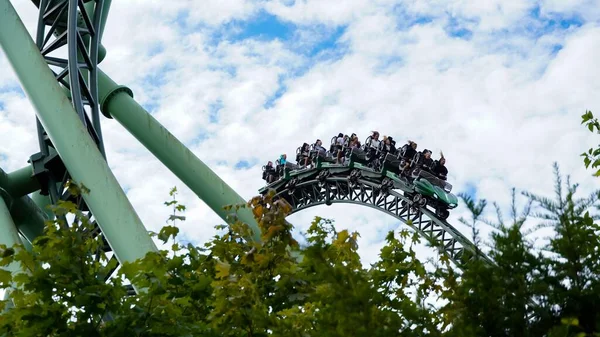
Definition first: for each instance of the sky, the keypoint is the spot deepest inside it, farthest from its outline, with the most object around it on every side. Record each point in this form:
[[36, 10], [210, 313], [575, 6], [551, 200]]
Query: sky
[[498, 86]]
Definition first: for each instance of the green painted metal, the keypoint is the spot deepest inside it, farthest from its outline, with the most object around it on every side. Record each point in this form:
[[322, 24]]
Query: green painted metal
[[28, 217], [117, 102], [105, 10], [89, 6], [114, 213], [9, 235], [20, 182], [426, 188], [43, 202]]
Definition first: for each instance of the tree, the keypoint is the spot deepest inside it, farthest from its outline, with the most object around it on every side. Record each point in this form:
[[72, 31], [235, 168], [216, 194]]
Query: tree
[[228, 287], [493, 299], [527, 291], [592, 156]]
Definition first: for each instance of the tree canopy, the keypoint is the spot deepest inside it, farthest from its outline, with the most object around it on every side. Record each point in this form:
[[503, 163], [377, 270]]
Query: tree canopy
[[230, 286]]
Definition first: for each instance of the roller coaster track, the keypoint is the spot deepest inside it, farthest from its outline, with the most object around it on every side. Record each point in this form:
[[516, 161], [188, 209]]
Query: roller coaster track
[[310, 187]]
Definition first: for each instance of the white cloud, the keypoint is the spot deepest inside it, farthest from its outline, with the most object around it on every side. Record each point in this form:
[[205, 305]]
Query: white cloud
[[502, 107]]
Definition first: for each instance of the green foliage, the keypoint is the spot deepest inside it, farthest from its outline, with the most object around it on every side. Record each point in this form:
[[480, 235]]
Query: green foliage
[[592, 156], [528, 291], [65, 285], [228, 287]]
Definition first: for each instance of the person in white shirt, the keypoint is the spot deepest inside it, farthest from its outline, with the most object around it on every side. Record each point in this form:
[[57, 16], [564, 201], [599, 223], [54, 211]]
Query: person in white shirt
[[375, 140], [339, 146]]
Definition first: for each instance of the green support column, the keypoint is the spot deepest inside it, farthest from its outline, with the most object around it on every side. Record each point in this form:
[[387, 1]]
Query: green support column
[[20, 182], [9, 236], [28, 217], [117, 102], [43, 202], [116, 217], [105, 10]]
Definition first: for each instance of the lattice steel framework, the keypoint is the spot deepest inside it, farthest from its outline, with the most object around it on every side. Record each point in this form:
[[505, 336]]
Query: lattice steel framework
[[350, 188], [59, 74], [68, 39]]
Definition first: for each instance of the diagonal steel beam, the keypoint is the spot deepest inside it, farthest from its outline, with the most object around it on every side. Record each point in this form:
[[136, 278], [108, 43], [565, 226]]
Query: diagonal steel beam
[[115, 215]]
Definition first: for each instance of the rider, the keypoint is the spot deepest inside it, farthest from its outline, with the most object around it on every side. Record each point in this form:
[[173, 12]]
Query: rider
[[389, 145], [439, 167], [304, 157], [354, 142], [281, 164], [375, 140], [269, 173], [409, 150], [426, 162], [319, 147], [339, 146]]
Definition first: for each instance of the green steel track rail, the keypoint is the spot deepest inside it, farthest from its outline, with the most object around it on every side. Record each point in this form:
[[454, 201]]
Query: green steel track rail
[[357, 185]]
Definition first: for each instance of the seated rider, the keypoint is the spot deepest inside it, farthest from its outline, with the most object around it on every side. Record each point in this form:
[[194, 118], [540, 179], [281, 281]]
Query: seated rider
[[439, 168], [388, 145], [427, 162], [319, 147], [375, 142], [339, 145], [408, 152], [304, 155], [269, 173], [354, 142], [281, 164], [372, 145], [423, 161]]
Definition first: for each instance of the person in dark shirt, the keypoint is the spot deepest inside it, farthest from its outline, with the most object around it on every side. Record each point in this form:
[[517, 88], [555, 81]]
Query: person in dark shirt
[[269, 173], [388, 145], [439, 167], [426, 163]]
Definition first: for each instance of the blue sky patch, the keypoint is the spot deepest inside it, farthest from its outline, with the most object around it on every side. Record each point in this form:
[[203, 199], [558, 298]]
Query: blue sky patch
[[158, 79], [281, 89], [471, 190], [264, 26], [213, 111], [245, 164], [545, 23], [150, 106], [457, 27], [14, 89], [156, 49], [328, 42]]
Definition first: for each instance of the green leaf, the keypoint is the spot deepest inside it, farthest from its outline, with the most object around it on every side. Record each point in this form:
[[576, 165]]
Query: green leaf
[[586, 117], [167, 232], [573, 321], [222, 269]]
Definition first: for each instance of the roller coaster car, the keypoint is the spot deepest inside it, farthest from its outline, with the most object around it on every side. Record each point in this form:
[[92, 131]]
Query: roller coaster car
[[319, 157], [433, 191], [284, 170], [392, 163], [359, 156]]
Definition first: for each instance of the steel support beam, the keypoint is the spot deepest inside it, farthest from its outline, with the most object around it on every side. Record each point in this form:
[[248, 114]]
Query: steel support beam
[[105, 10], [20, 182], [43, 202], [115, 215], [9, 236], [28, 217], [117, 102]]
